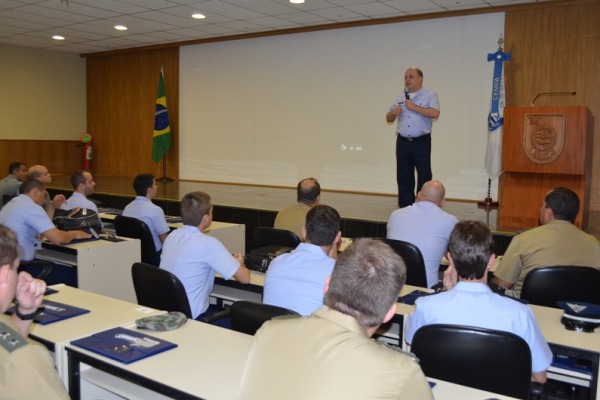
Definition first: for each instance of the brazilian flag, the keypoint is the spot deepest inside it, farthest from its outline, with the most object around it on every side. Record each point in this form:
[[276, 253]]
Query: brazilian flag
[[162, 129]]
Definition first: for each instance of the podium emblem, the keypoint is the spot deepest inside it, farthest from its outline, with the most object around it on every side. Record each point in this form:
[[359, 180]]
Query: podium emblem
[[544, 137]]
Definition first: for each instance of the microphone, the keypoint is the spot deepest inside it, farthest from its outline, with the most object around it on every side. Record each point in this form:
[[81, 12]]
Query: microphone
[[406, 91], [551, 94]]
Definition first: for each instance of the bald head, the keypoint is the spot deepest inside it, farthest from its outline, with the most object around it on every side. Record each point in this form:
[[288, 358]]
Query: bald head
[[432, 191], [40, 173], [308, 191]]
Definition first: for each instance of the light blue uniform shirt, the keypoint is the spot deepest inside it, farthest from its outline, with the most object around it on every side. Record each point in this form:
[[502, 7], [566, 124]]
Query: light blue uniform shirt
[[143, 209], [474, 304], [426, 226], [78, 200], [296, 280], [27, 219], [413, 124], [195, 258]]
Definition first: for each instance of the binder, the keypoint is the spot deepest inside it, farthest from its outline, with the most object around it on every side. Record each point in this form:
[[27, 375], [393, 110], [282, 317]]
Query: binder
[[124, 345], [53, 311]]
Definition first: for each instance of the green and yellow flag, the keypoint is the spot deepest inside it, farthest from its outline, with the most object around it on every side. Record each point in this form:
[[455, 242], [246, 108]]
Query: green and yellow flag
[[162, 128]]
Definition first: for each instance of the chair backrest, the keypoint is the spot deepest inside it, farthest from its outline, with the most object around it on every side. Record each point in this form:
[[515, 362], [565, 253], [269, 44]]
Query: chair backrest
[[547, 285], [273, 238], [160, 289], [485, 359], [6, 198], [137, 229], [247, 316], [415, 265]]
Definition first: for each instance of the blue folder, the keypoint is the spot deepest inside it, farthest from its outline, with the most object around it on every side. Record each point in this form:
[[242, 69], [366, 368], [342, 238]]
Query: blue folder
[[53, 311], [124, 345]]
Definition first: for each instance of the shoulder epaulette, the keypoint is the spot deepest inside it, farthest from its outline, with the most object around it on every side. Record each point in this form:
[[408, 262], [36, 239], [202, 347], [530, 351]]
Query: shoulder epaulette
[[10, 339]]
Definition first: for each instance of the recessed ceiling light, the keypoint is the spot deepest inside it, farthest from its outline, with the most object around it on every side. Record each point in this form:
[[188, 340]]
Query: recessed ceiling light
[[297, 1], [58, 37], [198, 16], [120, 27]]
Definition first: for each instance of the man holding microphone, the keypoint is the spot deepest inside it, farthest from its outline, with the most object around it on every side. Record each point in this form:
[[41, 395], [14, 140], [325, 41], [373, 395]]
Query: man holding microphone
[[414, 111]]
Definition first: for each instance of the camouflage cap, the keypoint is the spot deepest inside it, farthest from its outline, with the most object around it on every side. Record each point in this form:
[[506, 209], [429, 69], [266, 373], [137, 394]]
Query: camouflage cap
[[162, 322]]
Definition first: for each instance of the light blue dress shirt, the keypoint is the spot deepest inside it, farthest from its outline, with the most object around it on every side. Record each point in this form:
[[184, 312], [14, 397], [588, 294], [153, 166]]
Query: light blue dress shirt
[[426, 226], [413, 124], [296, 280], [195, 258], [474, 304], [27, 219], [143, 209]]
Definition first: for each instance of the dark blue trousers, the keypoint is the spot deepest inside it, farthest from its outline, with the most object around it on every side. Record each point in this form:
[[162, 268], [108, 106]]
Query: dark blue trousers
[[412, 156]]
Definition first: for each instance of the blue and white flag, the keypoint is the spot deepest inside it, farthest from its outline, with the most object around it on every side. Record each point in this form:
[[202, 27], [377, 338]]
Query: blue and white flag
[[493, 153]]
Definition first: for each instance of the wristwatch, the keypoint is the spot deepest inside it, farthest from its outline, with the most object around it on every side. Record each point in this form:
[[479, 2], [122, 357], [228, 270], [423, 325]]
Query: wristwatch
[[26, 317]]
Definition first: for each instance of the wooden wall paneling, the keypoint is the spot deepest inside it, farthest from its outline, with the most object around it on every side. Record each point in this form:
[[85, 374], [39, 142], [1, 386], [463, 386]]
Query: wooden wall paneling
[[121, 98], [556, 48], [61, 157]]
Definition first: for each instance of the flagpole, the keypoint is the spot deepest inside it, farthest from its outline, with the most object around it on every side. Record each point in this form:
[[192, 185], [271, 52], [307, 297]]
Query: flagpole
[[495, 122], [164, 178]]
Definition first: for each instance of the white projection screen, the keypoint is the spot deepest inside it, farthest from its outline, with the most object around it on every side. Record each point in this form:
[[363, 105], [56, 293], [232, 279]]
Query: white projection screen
[[273, 110]]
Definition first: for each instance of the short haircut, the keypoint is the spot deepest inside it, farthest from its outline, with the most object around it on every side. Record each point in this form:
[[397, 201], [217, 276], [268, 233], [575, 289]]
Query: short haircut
[[30, 184], [308, 190], [471, 244], [366, 281], [9, 246], [564, 203], [14, 166], [142, 183], [194, 206], [78, 178], [322, 225]]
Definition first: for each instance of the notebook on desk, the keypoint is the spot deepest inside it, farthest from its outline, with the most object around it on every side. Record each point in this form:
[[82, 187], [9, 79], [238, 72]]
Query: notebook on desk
[[124, 345]]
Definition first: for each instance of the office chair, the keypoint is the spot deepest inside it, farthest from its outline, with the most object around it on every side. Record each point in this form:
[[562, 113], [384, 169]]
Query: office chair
[[6, 198], [485, 359], [160, 289], [271, 242], [415, 265], [266, 236], [137, 229], [547, 285], [39, 269], [247, 316]]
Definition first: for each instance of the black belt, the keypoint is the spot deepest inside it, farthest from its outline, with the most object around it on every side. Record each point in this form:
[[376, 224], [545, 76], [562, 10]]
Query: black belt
[[414, 139]]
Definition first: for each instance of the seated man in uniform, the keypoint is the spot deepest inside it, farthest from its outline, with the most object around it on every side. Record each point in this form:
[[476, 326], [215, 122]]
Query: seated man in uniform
[[469, 300], [195, 257], [330, 354], [425, 225], [41, 173], [27, 369], [83, 186], [17, 174], [556, 242], [295, 280], [25, 215], [143, 209], [308, 194]]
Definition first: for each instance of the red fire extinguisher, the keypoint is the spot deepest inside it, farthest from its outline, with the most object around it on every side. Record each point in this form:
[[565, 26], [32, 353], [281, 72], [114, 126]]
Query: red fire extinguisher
[[86, 141]]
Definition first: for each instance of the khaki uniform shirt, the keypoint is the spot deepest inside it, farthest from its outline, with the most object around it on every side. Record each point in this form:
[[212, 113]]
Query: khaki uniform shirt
[[292, 218], [326, 356], [553, 244], [26, 369]]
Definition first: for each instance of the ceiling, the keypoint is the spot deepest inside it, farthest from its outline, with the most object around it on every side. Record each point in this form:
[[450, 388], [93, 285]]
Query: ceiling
[[88, 25]]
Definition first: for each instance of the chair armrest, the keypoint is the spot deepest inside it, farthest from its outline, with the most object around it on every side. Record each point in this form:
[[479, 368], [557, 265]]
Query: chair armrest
[[209, 319]]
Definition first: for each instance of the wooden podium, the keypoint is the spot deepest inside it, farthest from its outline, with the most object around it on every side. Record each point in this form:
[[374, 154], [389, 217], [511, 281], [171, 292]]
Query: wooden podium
[[542, 148]]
